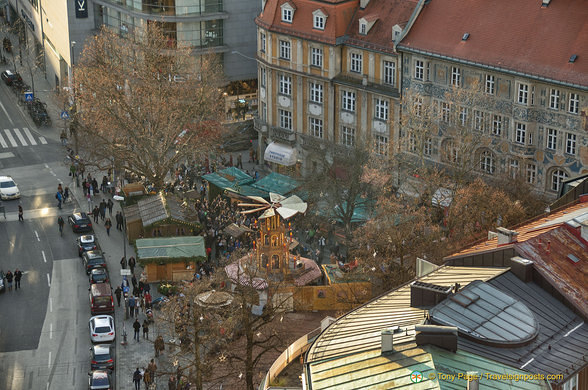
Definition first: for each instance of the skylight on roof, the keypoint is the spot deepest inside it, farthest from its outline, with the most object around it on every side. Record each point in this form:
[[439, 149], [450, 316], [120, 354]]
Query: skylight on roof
[[573, 58], [465, 37]]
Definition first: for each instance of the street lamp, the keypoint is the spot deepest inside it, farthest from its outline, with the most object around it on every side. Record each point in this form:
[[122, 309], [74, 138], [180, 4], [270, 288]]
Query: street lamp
[[121, 199]]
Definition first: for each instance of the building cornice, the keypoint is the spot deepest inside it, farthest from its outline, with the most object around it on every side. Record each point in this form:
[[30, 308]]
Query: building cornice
[[160, 17]]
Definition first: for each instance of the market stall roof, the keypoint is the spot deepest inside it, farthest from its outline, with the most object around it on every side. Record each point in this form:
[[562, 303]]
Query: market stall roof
[[157, 208], [247, 190], [170, 247], [229, 179], [236, 231], [132, 213], [278, 183]]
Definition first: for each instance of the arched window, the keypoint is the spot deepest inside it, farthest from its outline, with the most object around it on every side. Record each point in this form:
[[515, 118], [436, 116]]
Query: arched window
[[487, 162], [275, 262], [557, 177], [274, 241]]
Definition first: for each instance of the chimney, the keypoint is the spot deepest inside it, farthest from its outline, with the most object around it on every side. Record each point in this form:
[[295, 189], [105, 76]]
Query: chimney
[[506, 236], [522, 268], [426, 294], [363, 3], [441, 336], [388, 339]]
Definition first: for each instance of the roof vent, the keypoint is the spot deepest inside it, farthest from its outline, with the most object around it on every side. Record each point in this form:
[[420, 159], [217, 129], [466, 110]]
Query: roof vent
[[388, 339], [473, 380], [573, 58], [440, 336], [465, 37], [573, 259], [522, 268], [426, 294], [363, 3], [545, 3], [506, 236]]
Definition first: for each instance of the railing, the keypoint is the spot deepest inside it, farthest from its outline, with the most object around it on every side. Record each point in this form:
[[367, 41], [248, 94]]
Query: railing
[[260, 125], [279, 134]]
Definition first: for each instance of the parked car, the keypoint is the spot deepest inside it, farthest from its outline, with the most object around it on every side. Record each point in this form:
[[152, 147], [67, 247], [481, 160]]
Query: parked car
[[101, 301], [86, 243], [100, 380], [102, 357], [99, 275], [80, 222], [2, 281], [8, 188], [102, 329], [9, 77], [93, 259]]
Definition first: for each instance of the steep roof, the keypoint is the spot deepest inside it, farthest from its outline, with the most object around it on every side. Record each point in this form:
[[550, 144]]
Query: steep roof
[[519, 36], [170, 247]]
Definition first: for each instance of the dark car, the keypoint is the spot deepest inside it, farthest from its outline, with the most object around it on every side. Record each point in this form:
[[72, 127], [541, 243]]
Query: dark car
[[102, 357], [80, 222], [9, 77], [93, 259], [2, 281], [86, 243], [99, 275], [100, 380]]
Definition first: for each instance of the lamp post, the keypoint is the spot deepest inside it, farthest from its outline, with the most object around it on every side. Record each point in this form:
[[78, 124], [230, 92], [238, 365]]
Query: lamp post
[[121, 199]]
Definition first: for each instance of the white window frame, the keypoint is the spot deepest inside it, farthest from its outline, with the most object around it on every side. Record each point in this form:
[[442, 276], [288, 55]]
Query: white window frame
[[362, 28], [571, 143], [263, 77], [318, 22], [315, 127], [490, 84], [412, 144], [381, 144], [348, 101], [285, 117], [445, 112], [356, 62], [523, 94], [520, 133], [574, 103], [554, 95], [455, 76], [285, 50], [487, 162], [497, 124], [513, 168], [347, 136], [285, 85], [316, 57], [557, 177], [463, 116], [479, 120], [551, 139], [381, 106], [264, 111], [418, 106], [316, 92], [287, 15], [419, 69], [262, 42], [389, 70], [531, 173], [428, 146]]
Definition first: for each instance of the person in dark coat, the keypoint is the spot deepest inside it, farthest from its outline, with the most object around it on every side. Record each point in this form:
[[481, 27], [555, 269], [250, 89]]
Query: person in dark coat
[[145, 329], [137, 376], [96, 213], [17, 277], [119, 220], [137, 327], [132, 263], [102, 210], [110, 204]]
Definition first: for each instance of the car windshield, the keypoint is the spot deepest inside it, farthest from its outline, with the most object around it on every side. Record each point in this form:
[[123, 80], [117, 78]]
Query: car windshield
[[103, 356], [96, 260], [7, 184], [102, 301], [102, 329], [101, 380]]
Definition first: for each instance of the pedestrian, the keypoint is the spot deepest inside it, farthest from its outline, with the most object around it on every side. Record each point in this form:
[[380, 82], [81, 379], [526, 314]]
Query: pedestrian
[[119, 220], [110, 204], [152, 368], [147, 379], [59, 198], [123, 263], [96, 213], [118, 293], [137, 327], [159, 345], [145, 329], [89, 198], [108, 225], [17, 277], [20, 213], [171, 383], [102, 210], [137, 302], [132, 304], [132, 263], [137, 379], [133, 280], [239, 161], [85, 187], [9, 277]]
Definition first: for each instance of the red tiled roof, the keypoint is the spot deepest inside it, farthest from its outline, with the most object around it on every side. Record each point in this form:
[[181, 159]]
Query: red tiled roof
[[339, 14], [549, 252], [516, 35]]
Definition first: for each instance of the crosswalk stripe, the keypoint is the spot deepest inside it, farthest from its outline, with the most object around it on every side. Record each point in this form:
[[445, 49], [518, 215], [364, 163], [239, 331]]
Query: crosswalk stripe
[[2, 142], [10, 138], [43, 140], [20, 137], [29, 135]]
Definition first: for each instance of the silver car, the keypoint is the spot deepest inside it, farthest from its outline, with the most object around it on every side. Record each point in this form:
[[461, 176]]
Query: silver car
[[102, 329]]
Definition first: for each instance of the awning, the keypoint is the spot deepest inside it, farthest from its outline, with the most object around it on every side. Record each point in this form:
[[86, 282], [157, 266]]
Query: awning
[[280, 154]]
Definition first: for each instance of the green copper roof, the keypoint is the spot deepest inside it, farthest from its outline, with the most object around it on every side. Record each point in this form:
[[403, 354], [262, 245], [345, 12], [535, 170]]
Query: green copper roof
[[170, 247]]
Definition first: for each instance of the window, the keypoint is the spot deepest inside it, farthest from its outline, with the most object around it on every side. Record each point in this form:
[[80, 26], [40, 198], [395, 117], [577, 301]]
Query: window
[[574, 104], [428, 147], [262, 42], [382, 109], [285, 85], [418, 106], [348, 136], [445, 110], [551, 139], [381, 144], [570, 143], [557, 177], [455, 76], [285, 50], [262, 72], [452, 153], [319, 22], [316, 57], [287, 15], [554, 99], [285, 119], [362, 28], [419, 69], [478, 120], [513, 168], [531, 173], [523, 94], [316, 127], [348, 103], [463, 116], [356, 62], [316, 93], [264, 111], [487, 164], [571, 384], [412, 147], [497, 124], [389, 72], [521, 133], [490, 84]]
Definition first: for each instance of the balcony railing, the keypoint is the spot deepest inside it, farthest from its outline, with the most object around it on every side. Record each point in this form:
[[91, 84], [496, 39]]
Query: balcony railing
[[260, 125], [282, 135]]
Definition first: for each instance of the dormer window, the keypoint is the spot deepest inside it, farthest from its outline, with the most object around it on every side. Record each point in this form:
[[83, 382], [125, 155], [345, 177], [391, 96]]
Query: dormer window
[[396, 31], [366, 23], [287, 12], [319, 18], [362, 28]]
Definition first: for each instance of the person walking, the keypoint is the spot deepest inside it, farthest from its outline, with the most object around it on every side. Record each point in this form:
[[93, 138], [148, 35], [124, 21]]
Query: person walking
[[110, 204], [96, 213], [159, 345], [108, 225], [147, 379], [137, 379], [65, 195], [60, 223], [152, 368], [146, 329], [17, 278], [118, 293], [137, 300], [102, 210], [119, 220], [9, 277], [171, 383], [132, 263], [89, 198], [59, 198], [134, 280], [132, 304], [20, 214], [123, 263], [137, 327]]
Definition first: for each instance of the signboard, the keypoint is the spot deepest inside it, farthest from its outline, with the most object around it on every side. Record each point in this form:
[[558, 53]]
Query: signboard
[[64, 115], [125, 272], [81, 8], [28, 96]]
